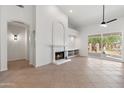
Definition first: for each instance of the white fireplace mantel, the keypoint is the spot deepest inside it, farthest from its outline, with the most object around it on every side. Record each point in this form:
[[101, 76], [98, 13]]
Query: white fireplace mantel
[[59, 41], [59, 49]]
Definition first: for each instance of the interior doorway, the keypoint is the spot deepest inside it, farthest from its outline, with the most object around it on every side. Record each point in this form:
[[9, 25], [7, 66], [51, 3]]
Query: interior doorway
[[107, 46], [17, 45]]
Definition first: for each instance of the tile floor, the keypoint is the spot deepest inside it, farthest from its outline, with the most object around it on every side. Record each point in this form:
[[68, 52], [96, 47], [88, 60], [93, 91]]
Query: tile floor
[[81, 72]]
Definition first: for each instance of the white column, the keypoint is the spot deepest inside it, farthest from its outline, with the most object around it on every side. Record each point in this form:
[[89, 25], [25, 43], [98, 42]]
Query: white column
[[3, 39]]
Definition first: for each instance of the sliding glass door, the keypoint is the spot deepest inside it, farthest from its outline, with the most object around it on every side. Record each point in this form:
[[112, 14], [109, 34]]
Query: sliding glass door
[[94, 45], [107, 46], [111, 45]]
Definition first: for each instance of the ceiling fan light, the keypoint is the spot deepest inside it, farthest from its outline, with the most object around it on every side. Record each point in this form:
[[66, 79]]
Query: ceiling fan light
[[103, 24]]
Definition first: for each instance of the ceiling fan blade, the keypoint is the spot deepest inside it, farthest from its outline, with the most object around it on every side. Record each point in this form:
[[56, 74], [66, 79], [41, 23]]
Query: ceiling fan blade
[[111, 20]]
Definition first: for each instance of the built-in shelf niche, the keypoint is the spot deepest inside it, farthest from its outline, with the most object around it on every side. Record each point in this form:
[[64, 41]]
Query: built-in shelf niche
[[73, 53]]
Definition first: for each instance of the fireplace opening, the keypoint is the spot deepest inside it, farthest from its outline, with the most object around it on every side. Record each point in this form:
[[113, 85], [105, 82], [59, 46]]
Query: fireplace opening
[[59, 55]]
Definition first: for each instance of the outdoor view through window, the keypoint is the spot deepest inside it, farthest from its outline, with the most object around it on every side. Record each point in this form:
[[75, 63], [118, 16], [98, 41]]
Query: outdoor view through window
[[107, 46]]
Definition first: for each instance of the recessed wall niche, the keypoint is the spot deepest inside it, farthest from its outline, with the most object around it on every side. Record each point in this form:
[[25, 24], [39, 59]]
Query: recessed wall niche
[[58, 34]]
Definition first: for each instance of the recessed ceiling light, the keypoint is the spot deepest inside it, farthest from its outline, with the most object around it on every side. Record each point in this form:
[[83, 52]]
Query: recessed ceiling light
[[70, 11]]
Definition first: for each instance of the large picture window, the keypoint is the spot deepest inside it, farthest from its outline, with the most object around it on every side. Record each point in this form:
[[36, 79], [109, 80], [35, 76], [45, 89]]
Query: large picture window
[[107, 46]]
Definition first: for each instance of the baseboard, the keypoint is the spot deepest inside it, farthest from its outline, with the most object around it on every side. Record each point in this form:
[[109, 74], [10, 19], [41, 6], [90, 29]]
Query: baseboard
[[18, 60], [83, 56], [3, 69], [37, 66]]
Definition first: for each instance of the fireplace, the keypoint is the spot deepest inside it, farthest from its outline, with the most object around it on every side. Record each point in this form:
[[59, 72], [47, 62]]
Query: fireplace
[[59, 55]]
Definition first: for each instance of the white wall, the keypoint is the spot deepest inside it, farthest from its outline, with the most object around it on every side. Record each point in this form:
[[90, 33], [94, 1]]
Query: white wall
[[73, 39], [58, 31], [117, 26], [17, 49], [3, 40], [45, 17], [8, 14], [15, 13]]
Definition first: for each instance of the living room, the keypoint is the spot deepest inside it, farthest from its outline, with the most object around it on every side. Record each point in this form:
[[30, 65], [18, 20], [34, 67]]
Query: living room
[[56, 47]]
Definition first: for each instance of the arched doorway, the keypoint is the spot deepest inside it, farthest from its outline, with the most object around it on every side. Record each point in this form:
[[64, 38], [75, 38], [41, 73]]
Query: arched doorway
[[18, 45]]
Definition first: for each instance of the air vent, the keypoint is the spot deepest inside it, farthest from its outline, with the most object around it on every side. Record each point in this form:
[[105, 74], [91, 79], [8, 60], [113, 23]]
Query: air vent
[[21, 6]]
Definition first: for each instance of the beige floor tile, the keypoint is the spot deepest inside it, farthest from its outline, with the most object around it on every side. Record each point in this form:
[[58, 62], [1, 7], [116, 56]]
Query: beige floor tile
[[81, 72]]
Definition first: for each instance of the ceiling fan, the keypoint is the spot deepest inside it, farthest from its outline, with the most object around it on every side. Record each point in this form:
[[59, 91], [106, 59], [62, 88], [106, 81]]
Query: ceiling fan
[[104, 24]]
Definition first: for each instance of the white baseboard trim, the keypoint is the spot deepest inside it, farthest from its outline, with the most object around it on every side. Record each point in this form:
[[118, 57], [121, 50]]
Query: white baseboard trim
[[83, 56], [3, 69], [37, 66]]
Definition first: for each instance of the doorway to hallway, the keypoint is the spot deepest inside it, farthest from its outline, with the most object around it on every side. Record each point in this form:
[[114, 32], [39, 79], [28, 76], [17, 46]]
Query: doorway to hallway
[[17, 45]]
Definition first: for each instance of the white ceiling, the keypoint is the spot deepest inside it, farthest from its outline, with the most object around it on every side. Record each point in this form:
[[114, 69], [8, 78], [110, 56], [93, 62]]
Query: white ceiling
[[83, 15], [16, 27]]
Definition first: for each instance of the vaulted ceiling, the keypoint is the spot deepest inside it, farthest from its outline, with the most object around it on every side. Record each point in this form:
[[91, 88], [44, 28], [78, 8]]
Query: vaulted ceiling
[[83, 15]]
